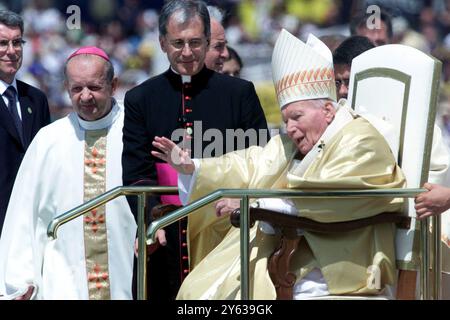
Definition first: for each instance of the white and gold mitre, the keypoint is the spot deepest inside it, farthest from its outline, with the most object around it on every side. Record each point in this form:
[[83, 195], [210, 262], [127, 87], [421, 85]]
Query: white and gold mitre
[[302, 71]]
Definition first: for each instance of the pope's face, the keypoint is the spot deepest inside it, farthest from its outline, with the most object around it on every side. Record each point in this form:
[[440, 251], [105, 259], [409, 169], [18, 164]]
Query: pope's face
[[185, 45], [88, 87], [306, 121]]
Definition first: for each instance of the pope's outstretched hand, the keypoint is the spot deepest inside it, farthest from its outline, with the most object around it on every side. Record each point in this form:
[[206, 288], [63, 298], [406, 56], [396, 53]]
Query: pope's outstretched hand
[[176, 157]]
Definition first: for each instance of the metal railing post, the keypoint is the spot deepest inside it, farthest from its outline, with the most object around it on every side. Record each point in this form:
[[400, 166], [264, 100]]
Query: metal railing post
[[425, 259], [437, 267], [142, 248], [245, 263]]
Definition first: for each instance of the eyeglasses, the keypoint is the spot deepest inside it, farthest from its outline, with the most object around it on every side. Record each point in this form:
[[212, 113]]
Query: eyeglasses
[[16, 43], [181, 44], [341, 82]]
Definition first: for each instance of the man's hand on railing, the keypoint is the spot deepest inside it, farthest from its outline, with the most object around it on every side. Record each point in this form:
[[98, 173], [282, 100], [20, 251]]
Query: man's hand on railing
[[226, 206], [433, 202], [160, 236], [178, 158]]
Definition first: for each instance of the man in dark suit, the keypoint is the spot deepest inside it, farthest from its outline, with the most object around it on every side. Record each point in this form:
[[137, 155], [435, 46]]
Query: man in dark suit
[[23, 108], [196, 107]]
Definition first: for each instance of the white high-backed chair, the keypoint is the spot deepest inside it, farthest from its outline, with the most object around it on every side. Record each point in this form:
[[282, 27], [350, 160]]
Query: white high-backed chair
[[396, 88]]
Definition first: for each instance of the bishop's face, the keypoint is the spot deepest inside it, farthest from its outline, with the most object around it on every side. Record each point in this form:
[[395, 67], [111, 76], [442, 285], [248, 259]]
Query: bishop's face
[[306, 121], [88, 87], [185, 45]]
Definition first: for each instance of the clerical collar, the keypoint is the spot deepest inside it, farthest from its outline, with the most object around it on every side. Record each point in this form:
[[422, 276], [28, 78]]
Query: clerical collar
[[104, 122], [184, 78]]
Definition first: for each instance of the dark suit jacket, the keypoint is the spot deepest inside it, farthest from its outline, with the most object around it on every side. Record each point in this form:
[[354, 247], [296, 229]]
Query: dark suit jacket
[[35, 115], [154, 108]]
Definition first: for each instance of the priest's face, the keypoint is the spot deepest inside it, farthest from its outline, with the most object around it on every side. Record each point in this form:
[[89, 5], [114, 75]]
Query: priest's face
[[306, 121], [185, 45], [88, 86]]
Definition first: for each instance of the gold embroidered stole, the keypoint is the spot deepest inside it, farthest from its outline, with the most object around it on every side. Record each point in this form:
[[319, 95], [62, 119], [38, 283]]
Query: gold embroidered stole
[[95, 233]]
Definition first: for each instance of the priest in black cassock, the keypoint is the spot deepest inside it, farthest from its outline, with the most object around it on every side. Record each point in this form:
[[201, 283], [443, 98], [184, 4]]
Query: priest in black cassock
[[200, 109]]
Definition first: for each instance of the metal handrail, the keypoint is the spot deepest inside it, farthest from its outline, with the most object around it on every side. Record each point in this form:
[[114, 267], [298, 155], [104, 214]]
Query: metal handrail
[[141, 192], [271, 193], [244, 194]]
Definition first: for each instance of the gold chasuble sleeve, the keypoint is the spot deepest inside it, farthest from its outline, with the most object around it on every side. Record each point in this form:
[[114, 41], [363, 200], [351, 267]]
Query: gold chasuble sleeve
[[94, 222], [355, 156]]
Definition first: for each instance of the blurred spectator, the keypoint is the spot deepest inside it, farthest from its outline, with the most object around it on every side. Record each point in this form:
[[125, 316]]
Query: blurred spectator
[[217, 51], [403, 34], [128, 80], [252, 14], [379, 31], [103, 11], [443, 53], [342, 60], [323, 13], [408, 9], [233, 65]]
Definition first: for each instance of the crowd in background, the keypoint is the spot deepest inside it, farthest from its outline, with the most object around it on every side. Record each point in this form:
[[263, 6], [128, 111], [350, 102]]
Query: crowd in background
[[128, 31]]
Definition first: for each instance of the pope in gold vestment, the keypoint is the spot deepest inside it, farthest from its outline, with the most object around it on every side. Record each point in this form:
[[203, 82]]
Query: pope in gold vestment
[[350, 154]]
